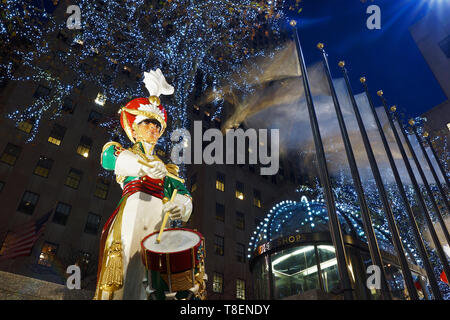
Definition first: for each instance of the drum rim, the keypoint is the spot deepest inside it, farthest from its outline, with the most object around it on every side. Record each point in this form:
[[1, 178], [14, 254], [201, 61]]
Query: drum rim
[[184, 229]]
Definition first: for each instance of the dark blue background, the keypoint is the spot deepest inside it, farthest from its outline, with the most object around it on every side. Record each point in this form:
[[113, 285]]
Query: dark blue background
[[389, 58]]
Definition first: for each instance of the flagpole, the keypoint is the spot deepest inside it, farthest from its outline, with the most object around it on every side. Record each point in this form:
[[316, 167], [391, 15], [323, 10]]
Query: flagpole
[[405, 268], [374, 250], [424, 178], [376, 174], [427, 158], [335, 229], [415, 228], [427, 138]]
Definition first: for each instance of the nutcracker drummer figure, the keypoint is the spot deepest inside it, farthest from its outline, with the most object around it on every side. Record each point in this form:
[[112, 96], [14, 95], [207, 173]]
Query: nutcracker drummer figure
[[147, 185]]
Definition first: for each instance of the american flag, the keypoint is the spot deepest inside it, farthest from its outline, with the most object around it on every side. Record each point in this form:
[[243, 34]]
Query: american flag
[[20, 242]]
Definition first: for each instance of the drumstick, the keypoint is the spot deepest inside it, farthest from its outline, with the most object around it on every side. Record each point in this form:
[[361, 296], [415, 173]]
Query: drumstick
[[166, 216], [168, 173]]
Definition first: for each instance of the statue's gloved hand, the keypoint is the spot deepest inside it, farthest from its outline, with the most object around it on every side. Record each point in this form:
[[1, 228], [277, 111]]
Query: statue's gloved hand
[[156, 171], [176, 210]]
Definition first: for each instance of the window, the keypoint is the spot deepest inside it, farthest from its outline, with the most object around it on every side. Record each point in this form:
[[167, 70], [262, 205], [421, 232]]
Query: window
[[101, 99], [62, 212], [83, 261], [240, 289], [328, 267], [218, 245], [194, 182], [25, 126], [57, 134], [240, 252], [281, 171], [94, 117], [196, 110], [445, 46], [239, 190], [48, 253], [41, 92], [92, 223], [257, 198], [220, 212], [10, 154], [218, 282], [292, 177], [274, 179], [220, 182], [295, 271], [73, 178], [68, 105], [85, 146], [126, 71], [240, 220], [43, 166], [101, 188], [28, 202]]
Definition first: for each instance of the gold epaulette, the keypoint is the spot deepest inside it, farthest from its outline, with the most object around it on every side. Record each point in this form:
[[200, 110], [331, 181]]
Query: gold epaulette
[[111, 143], [173, 169]]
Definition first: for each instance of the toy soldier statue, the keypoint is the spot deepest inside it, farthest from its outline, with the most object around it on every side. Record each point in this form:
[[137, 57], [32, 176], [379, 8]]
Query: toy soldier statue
[[147, 185]]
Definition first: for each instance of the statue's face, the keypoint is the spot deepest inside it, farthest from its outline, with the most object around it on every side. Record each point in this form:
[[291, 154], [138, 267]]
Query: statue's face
[[147, 130]]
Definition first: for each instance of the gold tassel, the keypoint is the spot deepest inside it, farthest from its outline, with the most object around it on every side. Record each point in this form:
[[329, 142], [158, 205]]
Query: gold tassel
[[111, 274], [112, 278]]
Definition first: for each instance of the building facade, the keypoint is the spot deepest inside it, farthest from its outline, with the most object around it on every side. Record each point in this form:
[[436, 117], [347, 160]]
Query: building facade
[[293, 257], [57, 167], [432, 36]]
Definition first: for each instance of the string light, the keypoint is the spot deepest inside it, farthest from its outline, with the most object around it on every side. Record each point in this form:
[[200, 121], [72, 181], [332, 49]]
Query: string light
[[187, 40], [291, 217]]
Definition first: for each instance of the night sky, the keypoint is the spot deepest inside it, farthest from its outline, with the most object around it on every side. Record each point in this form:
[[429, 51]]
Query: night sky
[[389, 58]]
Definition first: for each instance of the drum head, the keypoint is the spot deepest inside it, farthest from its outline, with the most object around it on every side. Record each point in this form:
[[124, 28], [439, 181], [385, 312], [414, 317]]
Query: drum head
[[172, 241]]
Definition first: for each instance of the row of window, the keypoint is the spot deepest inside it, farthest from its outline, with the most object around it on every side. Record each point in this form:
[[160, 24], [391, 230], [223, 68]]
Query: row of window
[[220, 216], [73, 178], [27, 125], [67, 106], [219, 248], [12, 152], [48, 254], [239, 190], [218, 285], [61, 214]]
